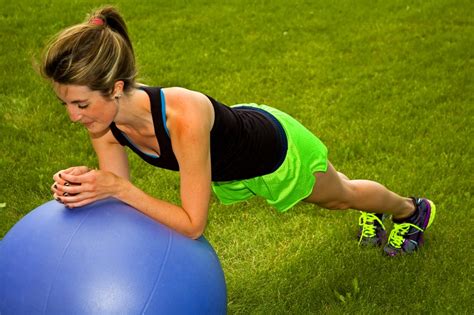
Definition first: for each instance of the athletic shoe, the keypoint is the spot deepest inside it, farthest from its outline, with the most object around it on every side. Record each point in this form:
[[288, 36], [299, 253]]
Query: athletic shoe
[[372, 231], [407, 236]]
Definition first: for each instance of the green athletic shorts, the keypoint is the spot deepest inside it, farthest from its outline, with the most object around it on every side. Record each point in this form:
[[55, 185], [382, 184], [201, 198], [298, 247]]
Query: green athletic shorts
[[293, 181]]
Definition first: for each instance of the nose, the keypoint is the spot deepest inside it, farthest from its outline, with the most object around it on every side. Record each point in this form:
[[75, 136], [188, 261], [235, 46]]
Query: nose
[[74, 113]]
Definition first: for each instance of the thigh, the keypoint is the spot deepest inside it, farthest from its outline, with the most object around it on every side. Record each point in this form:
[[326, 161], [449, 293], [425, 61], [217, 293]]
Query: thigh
[[330, 190]]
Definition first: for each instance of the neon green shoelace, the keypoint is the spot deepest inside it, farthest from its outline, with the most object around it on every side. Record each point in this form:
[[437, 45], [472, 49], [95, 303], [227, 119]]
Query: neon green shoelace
[[366, 221], [399, 230]]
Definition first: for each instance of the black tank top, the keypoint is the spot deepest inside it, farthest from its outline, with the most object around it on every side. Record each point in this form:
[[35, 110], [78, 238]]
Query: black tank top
[[245, 141]]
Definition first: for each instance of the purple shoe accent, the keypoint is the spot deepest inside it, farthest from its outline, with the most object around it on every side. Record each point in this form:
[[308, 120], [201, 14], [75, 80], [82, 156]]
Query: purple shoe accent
[[407, 236]]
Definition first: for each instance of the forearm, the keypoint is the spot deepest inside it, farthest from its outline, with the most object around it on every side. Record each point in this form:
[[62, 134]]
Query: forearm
[[95, 185], [164, 212]]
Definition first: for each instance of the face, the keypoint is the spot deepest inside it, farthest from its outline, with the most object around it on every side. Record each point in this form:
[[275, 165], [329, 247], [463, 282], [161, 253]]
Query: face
[[86, 106]]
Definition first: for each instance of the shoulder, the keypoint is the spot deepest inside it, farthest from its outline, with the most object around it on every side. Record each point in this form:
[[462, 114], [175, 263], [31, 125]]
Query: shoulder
[[183, 96], [183, 105]]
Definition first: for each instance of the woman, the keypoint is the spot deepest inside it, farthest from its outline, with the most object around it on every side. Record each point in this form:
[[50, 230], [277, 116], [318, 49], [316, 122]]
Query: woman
[[92, 69]]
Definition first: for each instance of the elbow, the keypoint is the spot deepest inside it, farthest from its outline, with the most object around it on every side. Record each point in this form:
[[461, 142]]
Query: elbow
[[194, 226], [195, 236], [195, 233]]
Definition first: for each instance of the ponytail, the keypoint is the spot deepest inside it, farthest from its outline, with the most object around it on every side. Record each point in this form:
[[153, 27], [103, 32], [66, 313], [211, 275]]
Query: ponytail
[[96, 53], [111, 18]]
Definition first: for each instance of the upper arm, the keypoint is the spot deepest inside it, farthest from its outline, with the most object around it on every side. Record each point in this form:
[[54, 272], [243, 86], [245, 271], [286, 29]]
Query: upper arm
[[190, 117], [111, 154]]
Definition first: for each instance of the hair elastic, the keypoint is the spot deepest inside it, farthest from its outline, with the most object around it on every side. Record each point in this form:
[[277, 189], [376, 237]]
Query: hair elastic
[[96, 21]]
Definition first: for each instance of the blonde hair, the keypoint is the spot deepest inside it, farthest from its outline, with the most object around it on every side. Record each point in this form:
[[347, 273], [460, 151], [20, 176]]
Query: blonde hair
[[96, 53]]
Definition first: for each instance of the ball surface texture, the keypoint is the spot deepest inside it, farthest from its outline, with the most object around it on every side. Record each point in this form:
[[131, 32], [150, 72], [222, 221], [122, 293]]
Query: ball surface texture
[[106, 258]]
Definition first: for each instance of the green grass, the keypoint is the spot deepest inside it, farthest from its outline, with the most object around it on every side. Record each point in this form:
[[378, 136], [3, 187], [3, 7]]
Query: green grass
[[387, 85]]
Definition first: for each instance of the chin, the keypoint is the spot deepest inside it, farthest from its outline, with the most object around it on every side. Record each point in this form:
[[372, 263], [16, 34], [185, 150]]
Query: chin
[[94, 128]]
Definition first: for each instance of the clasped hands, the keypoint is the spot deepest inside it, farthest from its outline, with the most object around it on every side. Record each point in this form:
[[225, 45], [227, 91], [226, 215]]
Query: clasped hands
[[78, 186]]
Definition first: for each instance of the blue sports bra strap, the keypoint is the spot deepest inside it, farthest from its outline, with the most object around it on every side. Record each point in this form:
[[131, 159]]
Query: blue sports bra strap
[[163, 111]]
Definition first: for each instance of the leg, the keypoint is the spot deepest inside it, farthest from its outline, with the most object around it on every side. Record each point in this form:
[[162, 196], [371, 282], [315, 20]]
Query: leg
[[411, 217], [334, 190]]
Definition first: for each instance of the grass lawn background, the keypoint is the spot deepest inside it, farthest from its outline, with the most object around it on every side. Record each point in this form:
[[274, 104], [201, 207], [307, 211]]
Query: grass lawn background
[[387, 85]]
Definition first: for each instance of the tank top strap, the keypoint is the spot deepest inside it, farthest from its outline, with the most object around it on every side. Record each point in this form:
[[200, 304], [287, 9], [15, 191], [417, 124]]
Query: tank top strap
[[118, 134], [167, 158]]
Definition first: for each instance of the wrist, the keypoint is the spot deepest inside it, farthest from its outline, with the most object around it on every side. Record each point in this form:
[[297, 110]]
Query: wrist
[[122, 187]]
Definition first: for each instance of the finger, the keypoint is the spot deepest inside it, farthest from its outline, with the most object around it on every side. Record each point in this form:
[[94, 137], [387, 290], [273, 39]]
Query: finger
[[73, 202], [72, 190], [75, 179], [58, 177], [69, 187], [54, 187], [69, 198], [58, 189], [69, 169], [81, 203], [78, 170], [75, 170], [56, 197], [66, 191]]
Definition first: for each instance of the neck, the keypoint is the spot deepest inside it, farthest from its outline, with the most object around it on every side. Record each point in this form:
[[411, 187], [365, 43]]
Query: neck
[[133, 110]]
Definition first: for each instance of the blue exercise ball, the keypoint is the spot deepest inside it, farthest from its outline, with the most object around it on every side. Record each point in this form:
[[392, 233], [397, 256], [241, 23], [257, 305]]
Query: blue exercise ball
[[106, 258]]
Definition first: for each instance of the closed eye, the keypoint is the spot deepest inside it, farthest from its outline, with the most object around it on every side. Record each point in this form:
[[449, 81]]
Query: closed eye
[[81, 104]]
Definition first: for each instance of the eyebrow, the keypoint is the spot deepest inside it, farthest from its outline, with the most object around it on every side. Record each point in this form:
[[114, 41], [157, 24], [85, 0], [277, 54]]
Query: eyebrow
[[74, 102]]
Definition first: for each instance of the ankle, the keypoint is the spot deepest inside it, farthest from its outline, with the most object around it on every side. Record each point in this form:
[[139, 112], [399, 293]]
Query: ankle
[[408, 210]]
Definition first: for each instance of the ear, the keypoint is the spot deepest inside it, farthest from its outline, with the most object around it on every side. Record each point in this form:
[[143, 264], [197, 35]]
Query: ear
[[118, 89]]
